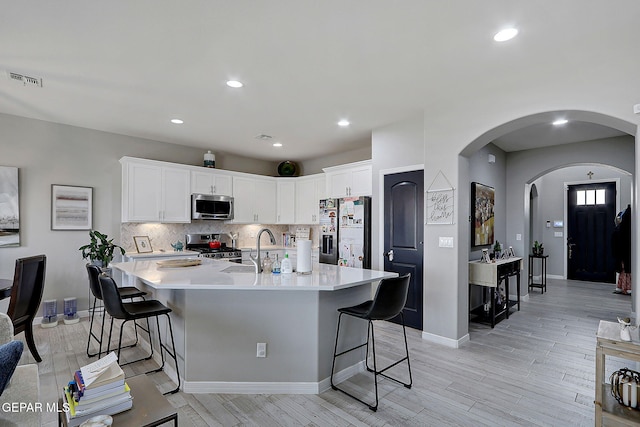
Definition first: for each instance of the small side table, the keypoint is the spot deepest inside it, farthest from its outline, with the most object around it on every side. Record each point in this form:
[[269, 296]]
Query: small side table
[[543, 280], [150, 407]]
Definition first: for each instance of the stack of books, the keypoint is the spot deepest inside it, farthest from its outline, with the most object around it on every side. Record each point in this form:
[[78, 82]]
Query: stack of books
[[97, 389]]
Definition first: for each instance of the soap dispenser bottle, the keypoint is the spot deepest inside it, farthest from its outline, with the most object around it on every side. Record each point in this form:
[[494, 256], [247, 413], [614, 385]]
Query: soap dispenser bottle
[[267, 264], [286, 266], [275, 268]]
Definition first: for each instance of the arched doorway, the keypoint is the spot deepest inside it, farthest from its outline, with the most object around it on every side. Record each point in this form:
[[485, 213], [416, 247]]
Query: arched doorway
[[525, 164]]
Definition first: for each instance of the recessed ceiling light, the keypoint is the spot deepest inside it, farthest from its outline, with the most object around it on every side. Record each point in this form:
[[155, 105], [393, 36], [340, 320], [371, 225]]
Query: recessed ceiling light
[[560, 122], [177, 121], [234, 84], [277, 144], [343, 123], [506, 34]]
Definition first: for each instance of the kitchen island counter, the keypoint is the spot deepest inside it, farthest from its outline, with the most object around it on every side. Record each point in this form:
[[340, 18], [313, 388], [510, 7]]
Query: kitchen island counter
[[220, 274], [221, 310]]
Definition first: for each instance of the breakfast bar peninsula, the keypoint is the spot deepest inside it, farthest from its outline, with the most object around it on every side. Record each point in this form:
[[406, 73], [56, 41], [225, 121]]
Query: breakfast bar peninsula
[[222, 310]]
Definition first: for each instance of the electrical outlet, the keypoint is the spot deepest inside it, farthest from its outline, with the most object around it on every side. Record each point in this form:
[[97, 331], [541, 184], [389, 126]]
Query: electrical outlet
[[261, 349]]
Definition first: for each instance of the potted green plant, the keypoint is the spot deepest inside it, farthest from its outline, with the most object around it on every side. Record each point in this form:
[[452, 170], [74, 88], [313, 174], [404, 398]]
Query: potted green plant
[[538, 249], [497, 248], [100, 249]]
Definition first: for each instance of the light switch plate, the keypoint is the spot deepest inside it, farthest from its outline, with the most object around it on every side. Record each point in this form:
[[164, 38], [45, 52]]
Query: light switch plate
[[518, 236], [557, 234], [445, 242]]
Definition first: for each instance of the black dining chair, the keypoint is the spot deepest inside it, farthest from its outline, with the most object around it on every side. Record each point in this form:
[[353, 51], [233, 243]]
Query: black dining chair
[[26, 295], [126, 292], [390, 298], [132, 311]]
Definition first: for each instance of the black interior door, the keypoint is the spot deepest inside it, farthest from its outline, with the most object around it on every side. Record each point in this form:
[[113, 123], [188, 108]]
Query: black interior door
[[403, 234], [590, 216]]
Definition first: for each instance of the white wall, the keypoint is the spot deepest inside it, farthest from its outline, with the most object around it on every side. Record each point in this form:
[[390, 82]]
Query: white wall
[[48, 153], [313, 166], [392, 147]]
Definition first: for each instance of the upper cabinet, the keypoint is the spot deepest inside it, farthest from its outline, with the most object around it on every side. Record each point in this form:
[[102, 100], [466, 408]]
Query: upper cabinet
[[210, 182], [309, 191], [154, 192], [254, 199], [350, 180], [286, 202]]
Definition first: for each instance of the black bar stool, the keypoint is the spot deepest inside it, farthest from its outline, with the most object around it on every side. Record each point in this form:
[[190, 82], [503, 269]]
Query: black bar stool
[[126, 292], [388, 303], [127, 311]]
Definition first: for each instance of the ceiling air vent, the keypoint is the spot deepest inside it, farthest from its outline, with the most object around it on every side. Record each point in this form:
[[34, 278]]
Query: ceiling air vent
[[264, 137], [25, 80]]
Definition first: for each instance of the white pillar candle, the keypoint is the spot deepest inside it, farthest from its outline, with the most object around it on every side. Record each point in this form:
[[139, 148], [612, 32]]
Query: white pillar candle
[[629, 392]]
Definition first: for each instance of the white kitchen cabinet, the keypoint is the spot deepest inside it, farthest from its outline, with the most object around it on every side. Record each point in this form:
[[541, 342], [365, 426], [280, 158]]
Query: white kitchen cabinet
[[309, 191], [152, 192], [350, 180], [286, 201], [209, 182], [254, 200]]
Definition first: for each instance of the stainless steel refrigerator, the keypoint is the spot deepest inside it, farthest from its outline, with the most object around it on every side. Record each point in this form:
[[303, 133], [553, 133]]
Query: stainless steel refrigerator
[[345, 232]]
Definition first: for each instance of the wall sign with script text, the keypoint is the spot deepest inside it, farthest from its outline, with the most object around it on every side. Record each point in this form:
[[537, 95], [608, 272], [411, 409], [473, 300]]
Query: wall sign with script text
[[440, 206]]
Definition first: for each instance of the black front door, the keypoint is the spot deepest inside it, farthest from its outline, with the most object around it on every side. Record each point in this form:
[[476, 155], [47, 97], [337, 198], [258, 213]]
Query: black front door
[[591, 214], [403, 234]]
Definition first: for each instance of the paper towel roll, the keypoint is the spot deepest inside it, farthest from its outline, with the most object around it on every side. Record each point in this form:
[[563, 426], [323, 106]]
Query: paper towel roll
[[303, 258]]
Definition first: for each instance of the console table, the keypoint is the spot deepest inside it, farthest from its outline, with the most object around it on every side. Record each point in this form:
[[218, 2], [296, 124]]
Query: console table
[[490, 275], [543, 272]]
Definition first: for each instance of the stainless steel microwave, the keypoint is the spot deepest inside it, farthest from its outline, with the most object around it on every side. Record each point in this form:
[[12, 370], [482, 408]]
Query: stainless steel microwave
[[207, 206]]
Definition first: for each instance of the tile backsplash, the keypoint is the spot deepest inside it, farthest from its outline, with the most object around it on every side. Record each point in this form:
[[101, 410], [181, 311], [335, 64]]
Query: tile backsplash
[[162, 235]]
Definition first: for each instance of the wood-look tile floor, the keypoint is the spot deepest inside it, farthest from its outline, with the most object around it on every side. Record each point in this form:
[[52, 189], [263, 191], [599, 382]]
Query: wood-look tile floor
[[536, 368]]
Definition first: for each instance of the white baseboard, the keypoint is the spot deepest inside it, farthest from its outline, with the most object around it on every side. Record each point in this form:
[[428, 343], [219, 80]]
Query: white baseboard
[[555, 276], [445, 341], [270, 387]]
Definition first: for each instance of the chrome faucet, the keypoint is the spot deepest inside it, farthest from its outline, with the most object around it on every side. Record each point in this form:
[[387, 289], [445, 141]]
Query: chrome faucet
[[256, 260]]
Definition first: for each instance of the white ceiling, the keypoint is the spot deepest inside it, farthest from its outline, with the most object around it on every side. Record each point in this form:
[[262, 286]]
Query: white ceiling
[[129, 67]]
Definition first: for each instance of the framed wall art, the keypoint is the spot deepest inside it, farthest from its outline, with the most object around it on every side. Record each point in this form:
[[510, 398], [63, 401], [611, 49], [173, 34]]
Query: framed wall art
[[9, 207], [143, 245], [482, 205], [71, 207]]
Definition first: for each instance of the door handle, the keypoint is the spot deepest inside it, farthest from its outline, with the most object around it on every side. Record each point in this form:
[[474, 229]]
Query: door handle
[[389, 254]]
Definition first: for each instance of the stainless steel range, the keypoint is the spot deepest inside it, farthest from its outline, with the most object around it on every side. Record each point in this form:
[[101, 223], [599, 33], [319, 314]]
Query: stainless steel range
[[201, 243]]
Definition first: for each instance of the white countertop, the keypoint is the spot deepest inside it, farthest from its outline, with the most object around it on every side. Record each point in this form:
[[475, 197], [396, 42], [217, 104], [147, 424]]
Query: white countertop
[[156, 254], [272, 248], [221, 275]]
